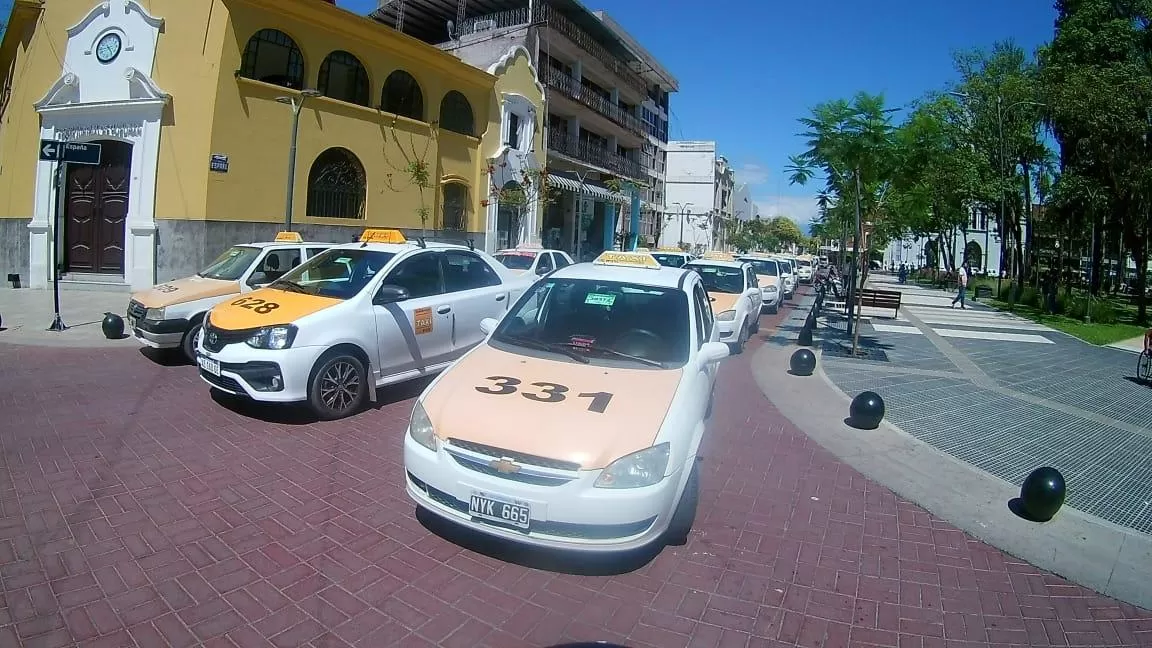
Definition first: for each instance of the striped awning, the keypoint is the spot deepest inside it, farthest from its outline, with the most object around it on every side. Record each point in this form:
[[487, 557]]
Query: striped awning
[[587, 188]]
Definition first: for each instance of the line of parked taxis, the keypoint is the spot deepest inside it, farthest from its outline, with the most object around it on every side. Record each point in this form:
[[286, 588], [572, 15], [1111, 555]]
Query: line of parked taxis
[[568, 401]]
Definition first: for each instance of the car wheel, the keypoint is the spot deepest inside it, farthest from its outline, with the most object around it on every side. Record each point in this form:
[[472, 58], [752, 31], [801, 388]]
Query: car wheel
[[188, 342], [711, 400], [774, 308], [685, 515], [756, 322], [338, 388]]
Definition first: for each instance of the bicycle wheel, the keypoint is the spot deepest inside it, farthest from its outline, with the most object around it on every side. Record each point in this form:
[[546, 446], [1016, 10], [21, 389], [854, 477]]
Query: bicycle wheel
[[1144, 367]]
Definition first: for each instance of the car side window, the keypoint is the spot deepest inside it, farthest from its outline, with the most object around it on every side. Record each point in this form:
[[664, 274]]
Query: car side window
[[545, 264], [560, 260], [466, 271], [314, 251], [703, 315], [419, 275], [278, 262], [751, 277]]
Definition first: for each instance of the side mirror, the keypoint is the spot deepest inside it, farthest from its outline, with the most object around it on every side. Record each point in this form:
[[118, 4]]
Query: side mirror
[[390, 294], [488, 324], [259, 279], [541, 270], [713, 352]]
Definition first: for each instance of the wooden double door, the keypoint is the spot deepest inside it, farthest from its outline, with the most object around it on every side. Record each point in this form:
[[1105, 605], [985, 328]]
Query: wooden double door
[[96, 210]]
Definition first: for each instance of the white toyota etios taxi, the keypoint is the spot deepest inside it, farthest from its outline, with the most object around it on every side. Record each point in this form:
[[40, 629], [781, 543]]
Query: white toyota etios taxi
[[576, 423]]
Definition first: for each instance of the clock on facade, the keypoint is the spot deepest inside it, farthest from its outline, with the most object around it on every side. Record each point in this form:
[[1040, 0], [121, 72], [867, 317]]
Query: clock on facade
[[108, 48]]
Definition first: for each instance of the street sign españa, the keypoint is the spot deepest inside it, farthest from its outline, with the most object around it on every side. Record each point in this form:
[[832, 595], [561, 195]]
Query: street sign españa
[[71, 152]]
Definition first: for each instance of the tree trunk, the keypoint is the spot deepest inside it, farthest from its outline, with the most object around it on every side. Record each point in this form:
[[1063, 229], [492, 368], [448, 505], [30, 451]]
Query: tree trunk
[[1140, 253], [1028, 256]]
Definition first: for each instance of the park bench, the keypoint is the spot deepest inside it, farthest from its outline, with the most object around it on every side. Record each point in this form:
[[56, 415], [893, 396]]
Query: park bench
[[983, 291], [879, 299]]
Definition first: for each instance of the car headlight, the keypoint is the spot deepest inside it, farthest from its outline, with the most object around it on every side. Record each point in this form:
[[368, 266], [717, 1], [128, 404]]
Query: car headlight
[[771, 289], [727, 316], [636, 470], [420, 427], [273, 337], [154, 314]]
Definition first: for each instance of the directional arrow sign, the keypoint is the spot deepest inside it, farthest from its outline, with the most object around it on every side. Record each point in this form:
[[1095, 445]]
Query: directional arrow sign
[[50, 150]]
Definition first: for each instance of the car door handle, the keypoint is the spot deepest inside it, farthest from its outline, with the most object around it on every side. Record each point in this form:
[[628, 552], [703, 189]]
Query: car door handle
[[444, 310], [500, 297]]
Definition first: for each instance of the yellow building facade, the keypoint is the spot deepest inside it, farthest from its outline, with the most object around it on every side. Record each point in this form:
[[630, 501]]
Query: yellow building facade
[[201, 107]]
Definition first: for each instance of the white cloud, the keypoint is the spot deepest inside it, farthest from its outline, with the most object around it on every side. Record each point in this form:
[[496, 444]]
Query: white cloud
[[801, 209], [751, 174]]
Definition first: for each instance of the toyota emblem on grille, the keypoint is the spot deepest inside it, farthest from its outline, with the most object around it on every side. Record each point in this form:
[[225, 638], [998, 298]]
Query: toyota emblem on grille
[[504, 465], [212, 338]]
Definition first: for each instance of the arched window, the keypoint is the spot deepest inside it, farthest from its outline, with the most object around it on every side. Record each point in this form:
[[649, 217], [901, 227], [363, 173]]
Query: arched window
[[336, 186], [455, 212], [343, 77], [456, 114], [402, 96], [272, 57]]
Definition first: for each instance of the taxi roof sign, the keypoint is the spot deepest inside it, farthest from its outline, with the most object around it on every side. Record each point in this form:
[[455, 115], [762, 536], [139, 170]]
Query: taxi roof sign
[[377, 235], [288, 237], [716, 255], [670, 248], [641, 249], [627, 259]]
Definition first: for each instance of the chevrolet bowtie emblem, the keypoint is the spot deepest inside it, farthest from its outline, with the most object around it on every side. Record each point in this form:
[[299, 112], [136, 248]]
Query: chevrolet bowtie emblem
[[504, 465]]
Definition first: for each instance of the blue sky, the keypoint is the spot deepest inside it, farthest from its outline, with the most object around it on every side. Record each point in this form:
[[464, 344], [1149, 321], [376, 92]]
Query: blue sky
[[748, 69]]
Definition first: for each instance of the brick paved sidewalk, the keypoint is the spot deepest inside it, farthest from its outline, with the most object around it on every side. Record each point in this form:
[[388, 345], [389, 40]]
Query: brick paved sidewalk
[[135, 510]]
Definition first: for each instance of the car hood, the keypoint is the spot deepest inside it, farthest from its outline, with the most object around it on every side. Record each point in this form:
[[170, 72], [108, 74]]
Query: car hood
[[768, 280], [253, 309], [185, 290], [723, 301], [565, 430]]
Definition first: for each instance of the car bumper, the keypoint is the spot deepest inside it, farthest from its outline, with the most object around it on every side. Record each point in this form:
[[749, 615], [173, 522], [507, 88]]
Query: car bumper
[[164, 334], [729, 330], [573, 515], [279, 376], [770, 299], [806, 278]]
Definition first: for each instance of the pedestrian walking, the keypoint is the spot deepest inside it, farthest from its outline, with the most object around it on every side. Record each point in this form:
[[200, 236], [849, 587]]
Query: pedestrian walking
[[961, 286]]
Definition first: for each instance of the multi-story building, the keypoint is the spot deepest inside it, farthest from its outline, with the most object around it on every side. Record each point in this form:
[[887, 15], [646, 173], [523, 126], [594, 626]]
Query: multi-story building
[[596, 80], [202, 110], [691, 195]]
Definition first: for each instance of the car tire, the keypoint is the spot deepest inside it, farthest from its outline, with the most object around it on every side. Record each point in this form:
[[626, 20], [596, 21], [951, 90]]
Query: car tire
[[711, 401], [737, 347], [774, 308], [188, 342], [685, 515], [338, 387], [756, 322]]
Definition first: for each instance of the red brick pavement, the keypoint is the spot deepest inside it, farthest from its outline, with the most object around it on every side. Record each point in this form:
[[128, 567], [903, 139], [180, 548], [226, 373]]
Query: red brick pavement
[[137, 511]]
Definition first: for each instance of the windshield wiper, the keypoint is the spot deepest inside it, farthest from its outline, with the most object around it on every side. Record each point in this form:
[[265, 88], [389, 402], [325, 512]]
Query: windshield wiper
[[287, 283], [626, 356], [543, 346]]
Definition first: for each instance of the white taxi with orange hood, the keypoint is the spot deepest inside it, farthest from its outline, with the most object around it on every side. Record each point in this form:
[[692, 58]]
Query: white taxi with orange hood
[[735, 293], [576, 423], [354, 318], [169, 315], [768, 276]]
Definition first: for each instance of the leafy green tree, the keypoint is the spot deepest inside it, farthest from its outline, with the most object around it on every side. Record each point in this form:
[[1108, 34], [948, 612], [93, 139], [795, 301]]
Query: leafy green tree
[[785, 231]]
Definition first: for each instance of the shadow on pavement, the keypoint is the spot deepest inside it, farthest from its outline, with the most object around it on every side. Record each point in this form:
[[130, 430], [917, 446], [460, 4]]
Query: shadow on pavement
[[165, 357], [299, 414], [1016, 505], [564, 562], [589, 644]]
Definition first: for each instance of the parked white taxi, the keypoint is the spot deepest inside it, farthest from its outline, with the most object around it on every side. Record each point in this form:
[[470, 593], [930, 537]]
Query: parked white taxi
[[576, 423], [735, 293]]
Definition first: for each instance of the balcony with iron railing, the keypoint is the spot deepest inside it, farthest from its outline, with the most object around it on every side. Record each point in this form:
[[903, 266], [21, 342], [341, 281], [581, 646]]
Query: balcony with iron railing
[[565, 84], [560, 141], [556, 21]]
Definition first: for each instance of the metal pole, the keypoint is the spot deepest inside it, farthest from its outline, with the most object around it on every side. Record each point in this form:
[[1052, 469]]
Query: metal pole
[[855, 261], [683, 212], [1003, 202], [57, 321], [296, 106]]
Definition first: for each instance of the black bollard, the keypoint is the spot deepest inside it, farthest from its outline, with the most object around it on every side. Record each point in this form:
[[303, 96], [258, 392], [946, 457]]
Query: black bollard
[[866, 411], [112, 326], [1042, 493], [805, 338], [803, 362]]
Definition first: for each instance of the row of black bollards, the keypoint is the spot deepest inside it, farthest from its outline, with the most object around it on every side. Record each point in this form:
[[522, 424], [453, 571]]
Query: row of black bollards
[[1041, 495]]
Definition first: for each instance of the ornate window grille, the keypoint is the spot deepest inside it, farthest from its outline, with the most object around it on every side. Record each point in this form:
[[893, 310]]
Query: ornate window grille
[[455, 212], [402, 96], [342, 76], [456, 114], [272, 56], [336, 185]]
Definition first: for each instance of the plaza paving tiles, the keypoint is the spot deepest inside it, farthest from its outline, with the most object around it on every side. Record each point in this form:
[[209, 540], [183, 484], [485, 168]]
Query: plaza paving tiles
[[900, 348], [1069, 372], [1106, 467], [135, 510]]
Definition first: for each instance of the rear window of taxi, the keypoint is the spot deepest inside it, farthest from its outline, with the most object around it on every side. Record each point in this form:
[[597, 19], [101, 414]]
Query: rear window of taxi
[[670, 260], [611, 323]]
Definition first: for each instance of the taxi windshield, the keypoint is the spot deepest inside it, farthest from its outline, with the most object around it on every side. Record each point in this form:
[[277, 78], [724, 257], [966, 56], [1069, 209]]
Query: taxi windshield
[[764, 267], [338, 273], [670, 260], [231, 265], [720, 279], [516, 260], [602, 322], [804, 264]]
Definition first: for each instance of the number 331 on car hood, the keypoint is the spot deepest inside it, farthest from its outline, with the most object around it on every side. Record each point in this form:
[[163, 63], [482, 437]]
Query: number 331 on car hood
[[266, 307], [560, 410]]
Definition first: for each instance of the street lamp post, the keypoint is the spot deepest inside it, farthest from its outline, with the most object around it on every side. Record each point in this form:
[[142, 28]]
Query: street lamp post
[[683, 210], [297, 103]]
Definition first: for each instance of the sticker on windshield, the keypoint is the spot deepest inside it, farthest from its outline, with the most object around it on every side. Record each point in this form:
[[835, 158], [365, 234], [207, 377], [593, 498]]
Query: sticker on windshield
[[600, 299], [581, 342], [234, 253], [344, 260]]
